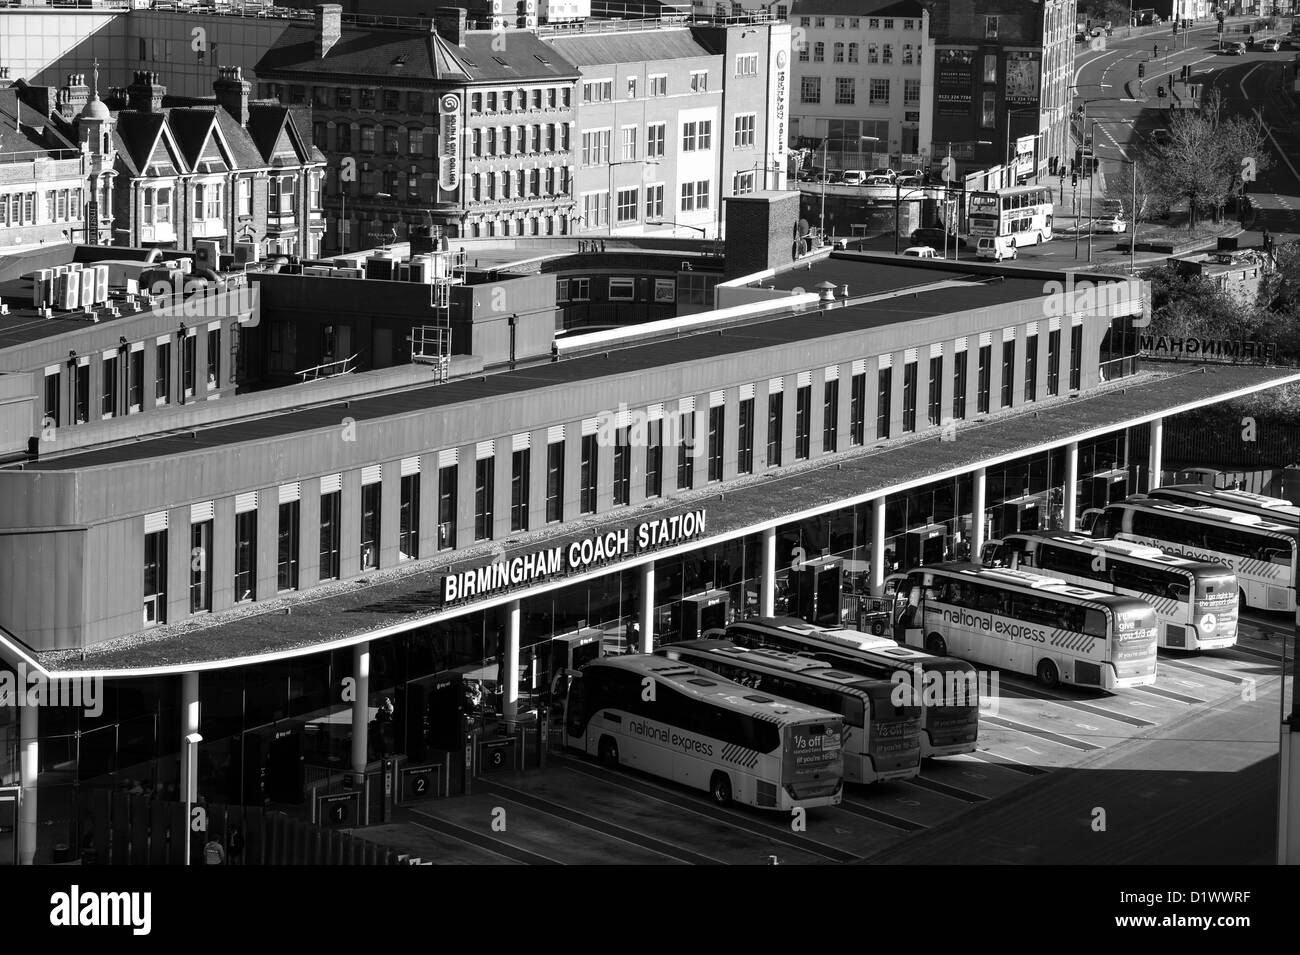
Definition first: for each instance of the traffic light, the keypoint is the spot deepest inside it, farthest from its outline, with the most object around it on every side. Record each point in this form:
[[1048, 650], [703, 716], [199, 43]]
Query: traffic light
[[1074, 178], [1142, 70]]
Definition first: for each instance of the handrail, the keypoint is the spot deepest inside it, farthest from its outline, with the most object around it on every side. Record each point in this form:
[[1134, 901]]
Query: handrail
[[322, 370]]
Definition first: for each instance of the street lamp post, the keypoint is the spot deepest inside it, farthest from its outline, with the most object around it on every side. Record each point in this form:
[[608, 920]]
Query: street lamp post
[[191, 784], [609, 219]]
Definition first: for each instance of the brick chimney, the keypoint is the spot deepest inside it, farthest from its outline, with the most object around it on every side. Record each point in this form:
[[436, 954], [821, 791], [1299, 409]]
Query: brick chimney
[[145, 94], [329, 27], [74, 96], [232, 92], [450, 24]]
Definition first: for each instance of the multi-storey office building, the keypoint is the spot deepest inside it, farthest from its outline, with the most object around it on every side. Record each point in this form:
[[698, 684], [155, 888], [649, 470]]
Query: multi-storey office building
[[674, 119], [646, 482], [863, 81], [1003, 72]]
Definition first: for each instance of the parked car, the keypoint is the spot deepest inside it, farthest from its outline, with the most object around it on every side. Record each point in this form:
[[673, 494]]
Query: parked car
[[880, 181], [1161, 137], [909, 182], [996, 248], [921, 252], [883, 171], [1270, 45], [1110, 223], [854, 177], [810, 173], [913, 173], [934, 236]]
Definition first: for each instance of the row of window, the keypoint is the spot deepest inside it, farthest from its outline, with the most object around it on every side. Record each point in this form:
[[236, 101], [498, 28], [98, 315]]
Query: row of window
[[509, 101], [517, 225], [882, 53], [668, 438], [489, 141], [21, 208], [414, 181], [208, 199], [602, 90], [121, 379], [394, 139], [519, 183], [855, 23], [878, 91], [342, 97], [695, 197]]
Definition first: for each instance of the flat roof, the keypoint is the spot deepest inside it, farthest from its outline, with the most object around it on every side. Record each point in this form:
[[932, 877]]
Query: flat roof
[[409, 595], [24, 325], [974, 292]]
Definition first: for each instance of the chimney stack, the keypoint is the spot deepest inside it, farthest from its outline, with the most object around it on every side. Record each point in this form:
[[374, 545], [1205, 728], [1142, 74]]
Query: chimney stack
[[450, 24], [145, 94], [232, 92], [329, 27], [75, 96]]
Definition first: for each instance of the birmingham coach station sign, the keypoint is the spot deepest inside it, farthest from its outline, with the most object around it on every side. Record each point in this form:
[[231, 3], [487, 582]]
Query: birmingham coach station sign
[[581, 554], [1200, 349]]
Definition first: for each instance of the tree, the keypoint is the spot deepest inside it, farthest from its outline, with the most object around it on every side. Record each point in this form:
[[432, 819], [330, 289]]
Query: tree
[[1151, 202], [1208, 157]]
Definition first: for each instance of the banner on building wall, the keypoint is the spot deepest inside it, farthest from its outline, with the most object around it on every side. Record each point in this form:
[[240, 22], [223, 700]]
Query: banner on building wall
[[1024, 70], [778, 102], [449, 142], [954, 82], [92, 222]]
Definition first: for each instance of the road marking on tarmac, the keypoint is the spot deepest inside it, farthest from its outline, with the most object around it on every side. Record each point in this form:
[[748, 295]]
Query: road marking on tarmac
[[1241, 85]]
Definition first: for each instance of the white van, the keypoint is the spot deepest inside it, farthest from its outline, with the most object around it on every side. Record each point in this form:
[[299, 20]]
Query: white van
[[854, 177], [996, 247]]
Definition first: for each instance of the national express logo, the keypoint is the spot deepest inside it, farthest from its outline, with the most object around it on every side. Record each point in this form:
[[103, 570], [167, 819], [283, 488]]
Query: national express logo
[[1016, 631], [660, 734]]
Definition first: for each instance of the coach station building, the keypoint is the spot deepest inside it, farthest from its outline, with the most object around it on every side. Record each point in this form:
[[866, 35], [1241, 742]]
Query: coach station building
[[268, 575]]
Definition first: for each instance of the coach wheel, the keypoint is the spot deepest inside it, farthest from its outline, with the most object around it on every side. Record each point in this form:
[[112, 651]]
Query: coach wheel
[[1241, 601], [937, 645], [608, 752], [720, 789], [1038, 238], [1047, 674]]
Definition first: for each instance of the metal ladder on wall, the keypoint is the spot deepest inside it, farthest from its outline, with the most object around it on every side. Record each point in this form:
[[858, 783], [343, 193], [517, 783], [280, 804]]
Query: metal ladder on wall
[[431, 344]]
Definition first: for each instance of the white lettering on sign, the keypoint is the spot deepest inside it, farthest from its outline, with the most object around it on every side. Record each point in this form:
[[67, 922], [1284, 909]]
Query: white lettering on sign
[[577, 556]]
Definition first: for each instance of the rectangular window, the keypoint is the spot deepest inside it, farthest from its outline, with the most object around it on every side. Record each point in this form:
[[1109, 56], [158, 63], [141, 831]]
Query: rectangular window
[[484, 493], [597, 91], [745, 438], [331, 505], [775, 412], [830, 416], [985, 380], [595, 147], [246, 556], [53, 395], [844, 90], [654, 144], [1076, 357], [588, 476], [189, 359], [214, 357], [447, 497], [747, 64], [628, 200], [519, 477], [819, 52], [595, 211], [802, 421], [622, 468], [909, 397], [555, 482], [880, 91], [990, 28], [810, 89], [286, 573], [200, 566], [959, 385], [744, 130], [108, 388], [371, 502], [686, 451], [134, 381], [627, 143], [81, 394], [1008, 373], [1054, 362], [155, 577], [988, 110], [717, 431], [699, 81], [1031, 368], [659, 85], [408, 518], [934, 413], [858, 410], [654, 202], [911, 92], [654, 458], [887, 53], [884, 392]]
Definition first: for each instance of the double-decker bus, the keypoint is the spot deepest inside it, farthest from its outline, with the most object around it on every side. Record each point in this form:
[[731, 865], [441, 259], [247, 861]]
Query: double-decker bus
[[1276, 509], [882, 741], [947, 728], [1022, 212], [695, 728], [1030, 623], [1195, 601], [1261, 553]]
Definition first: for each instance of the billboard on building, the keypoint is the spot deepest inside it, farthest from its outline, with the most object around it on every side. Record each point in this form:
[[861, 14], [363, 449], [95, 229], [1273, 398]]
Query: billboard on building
[[778, 101], [954, 81], [1024, 72], [449, 142]]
